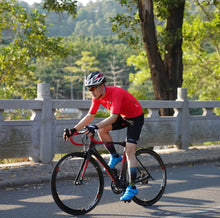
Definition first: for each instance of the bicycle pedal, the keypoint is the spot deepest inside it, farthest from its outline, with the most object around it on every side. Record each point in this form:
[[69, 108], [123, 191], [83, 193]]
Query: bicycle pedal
[[127, 201]]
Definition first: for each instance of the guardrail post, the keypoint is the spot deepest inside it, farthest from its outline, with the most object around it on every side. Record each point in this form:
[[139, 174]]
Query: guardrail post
[[36, 126], [46, 122], [184, 137], [1, 117]]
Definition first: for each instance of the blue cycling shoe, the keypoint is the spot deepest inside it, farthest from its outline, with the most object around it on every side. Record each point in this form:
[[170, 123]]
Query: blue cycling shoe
[[130, 192], [114, 160]]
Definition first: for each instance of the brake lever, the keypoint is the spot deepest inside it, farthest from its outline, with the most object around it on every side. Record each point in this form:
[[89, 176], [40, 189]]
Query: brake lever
[[66, 135]]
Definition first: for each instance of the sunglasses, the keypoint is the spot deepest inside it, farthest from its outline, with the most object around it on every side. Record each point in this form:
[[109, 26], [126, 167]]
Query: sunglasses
[[93, 88]]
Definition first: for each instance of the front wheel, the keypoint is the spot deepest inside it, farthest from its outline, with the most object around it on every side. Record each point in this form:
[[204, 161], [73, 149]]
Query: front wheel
[[151, 177], [74, 195]]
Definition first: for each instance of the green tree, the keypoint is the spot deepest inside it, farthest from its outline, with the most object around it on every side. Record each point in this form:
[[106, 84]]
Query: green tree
[[141, 84], [201, 34], [52, 71], [108, 51], [166, 68], [92, 19], [201, 52], [104, 49], [163, 46], [29, 42], [83, 66]]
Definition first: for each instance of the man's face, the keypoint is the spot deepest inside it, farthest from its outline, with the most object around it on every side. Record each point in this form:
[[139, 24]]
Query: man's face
[[96, 91]]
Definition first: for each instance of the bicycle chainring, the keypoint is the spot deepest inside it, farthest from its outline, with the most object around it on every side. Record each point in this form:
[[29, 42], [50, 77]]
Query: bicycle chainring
[[116, 189]]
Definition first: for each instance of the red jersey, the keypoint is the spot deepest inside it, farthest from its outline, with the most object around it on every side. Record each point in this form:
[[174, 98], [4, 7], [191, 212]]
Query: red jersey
[[118, 101]]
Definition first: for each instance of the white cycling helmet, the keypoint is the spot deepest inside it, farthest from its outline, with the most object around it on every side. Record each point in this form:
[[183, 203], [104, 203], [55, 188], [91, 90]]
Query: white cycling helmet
[[95, 79]]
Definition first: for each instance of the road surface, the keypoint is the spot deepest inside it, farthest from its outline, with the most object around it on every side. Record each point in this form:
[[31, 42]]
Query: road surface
[[192, 191]]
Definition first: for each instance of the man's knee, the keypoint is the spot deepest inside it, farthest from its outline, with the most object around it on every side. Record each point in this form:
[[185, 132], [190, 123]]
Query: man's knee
[[101, 131], [104, 130]]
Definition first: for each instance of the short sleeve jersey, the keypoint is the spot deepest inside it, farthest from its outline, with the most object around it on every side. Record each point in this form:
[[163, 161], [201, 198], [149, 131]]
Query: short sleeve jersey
[[118, 101]]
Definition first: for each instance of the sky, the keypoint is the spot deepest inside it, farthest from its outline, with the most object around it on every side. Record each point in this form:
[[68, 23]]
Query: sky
[[30, 2]]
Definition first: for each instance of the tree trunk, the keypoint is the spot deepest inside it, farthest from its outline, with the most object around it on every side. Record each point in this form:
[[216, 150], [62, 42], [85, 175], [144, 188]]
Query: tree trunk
[[173, 57], [166, 75]]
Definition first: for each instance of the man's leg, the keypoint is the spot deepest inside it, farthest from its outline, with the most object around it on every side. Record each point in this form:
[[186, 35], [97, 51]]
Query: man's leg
[[106, 137], [132, 162], [132, 172]]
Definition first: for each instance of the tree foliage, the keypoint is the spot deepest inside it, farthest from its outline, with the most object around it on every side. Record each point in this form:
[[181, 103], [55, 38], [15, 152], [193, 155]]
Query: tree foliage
[[165, 60], [201, 44], [29, 41], [29, 52], [141, 84], [82, 68], [92, 19], [61, 6], [89, 53], [201, 51]]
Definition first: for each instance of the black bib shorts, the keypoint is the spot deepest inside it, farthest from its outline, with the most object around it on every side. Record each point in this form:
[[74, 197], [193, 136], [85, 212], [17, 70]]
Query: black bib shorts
[[134, 126]]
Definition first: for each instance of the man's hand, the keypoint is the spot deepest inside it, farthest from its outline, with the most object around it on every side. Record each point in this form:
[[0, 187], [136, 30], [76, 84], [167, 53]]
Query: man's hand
[[91, 129], [67, 133]]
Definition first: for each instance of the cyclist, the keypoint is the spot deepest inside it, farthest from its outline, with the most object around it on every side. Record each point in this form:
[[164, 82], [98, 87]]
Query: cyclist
[[125, 112]]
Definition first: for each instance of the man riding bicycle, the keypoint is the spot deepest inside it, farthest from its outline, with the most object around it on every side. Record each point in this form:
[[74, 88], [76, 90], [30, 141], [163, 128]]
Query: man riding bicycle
[[126, 111]]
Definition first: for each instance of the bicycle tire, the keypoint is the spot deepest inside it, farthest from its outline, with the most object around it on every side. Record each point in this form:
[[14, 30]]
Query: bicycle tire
[[73, 198], [151, 189]]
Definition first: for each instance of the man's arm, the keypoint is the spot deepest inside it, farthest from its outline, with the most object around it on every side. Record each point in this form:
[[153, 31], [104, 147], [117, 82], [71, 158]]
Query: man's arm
[[84, 122]]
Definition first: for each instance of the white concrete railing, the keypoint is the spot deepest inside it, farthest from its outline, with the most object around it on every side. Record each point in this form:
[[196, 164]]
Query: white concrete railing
[[41, 136]]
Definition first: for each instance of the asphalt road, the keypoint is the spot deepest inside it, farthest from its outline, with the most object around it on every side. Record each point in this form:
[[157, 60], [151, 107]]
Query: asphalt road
[[192, 191]]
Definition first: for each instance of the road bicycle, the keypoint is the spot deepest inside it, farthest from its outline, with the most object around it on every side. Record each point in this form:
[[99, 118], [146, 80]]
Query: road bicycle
[[77, 182]]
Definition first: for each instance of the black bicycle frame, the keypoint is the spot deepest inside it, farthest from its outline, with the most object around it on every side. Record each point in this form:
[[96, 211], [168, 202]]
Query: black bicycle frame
[[93, 152]]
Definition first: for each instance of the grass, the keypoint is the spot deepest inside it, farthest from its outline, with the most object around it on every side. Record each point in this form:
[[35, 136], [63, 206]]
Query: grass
[[14, 160]]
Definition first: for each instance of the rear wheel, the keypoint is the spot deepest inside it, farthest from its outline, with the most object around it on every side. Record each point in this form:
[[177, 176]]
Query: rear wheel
[[72, 195], [151, 177]]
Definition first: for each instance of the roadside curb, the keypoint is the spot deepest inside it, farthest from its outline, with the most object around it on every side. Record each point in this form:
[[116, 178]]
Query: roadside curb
[[24, 174]]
